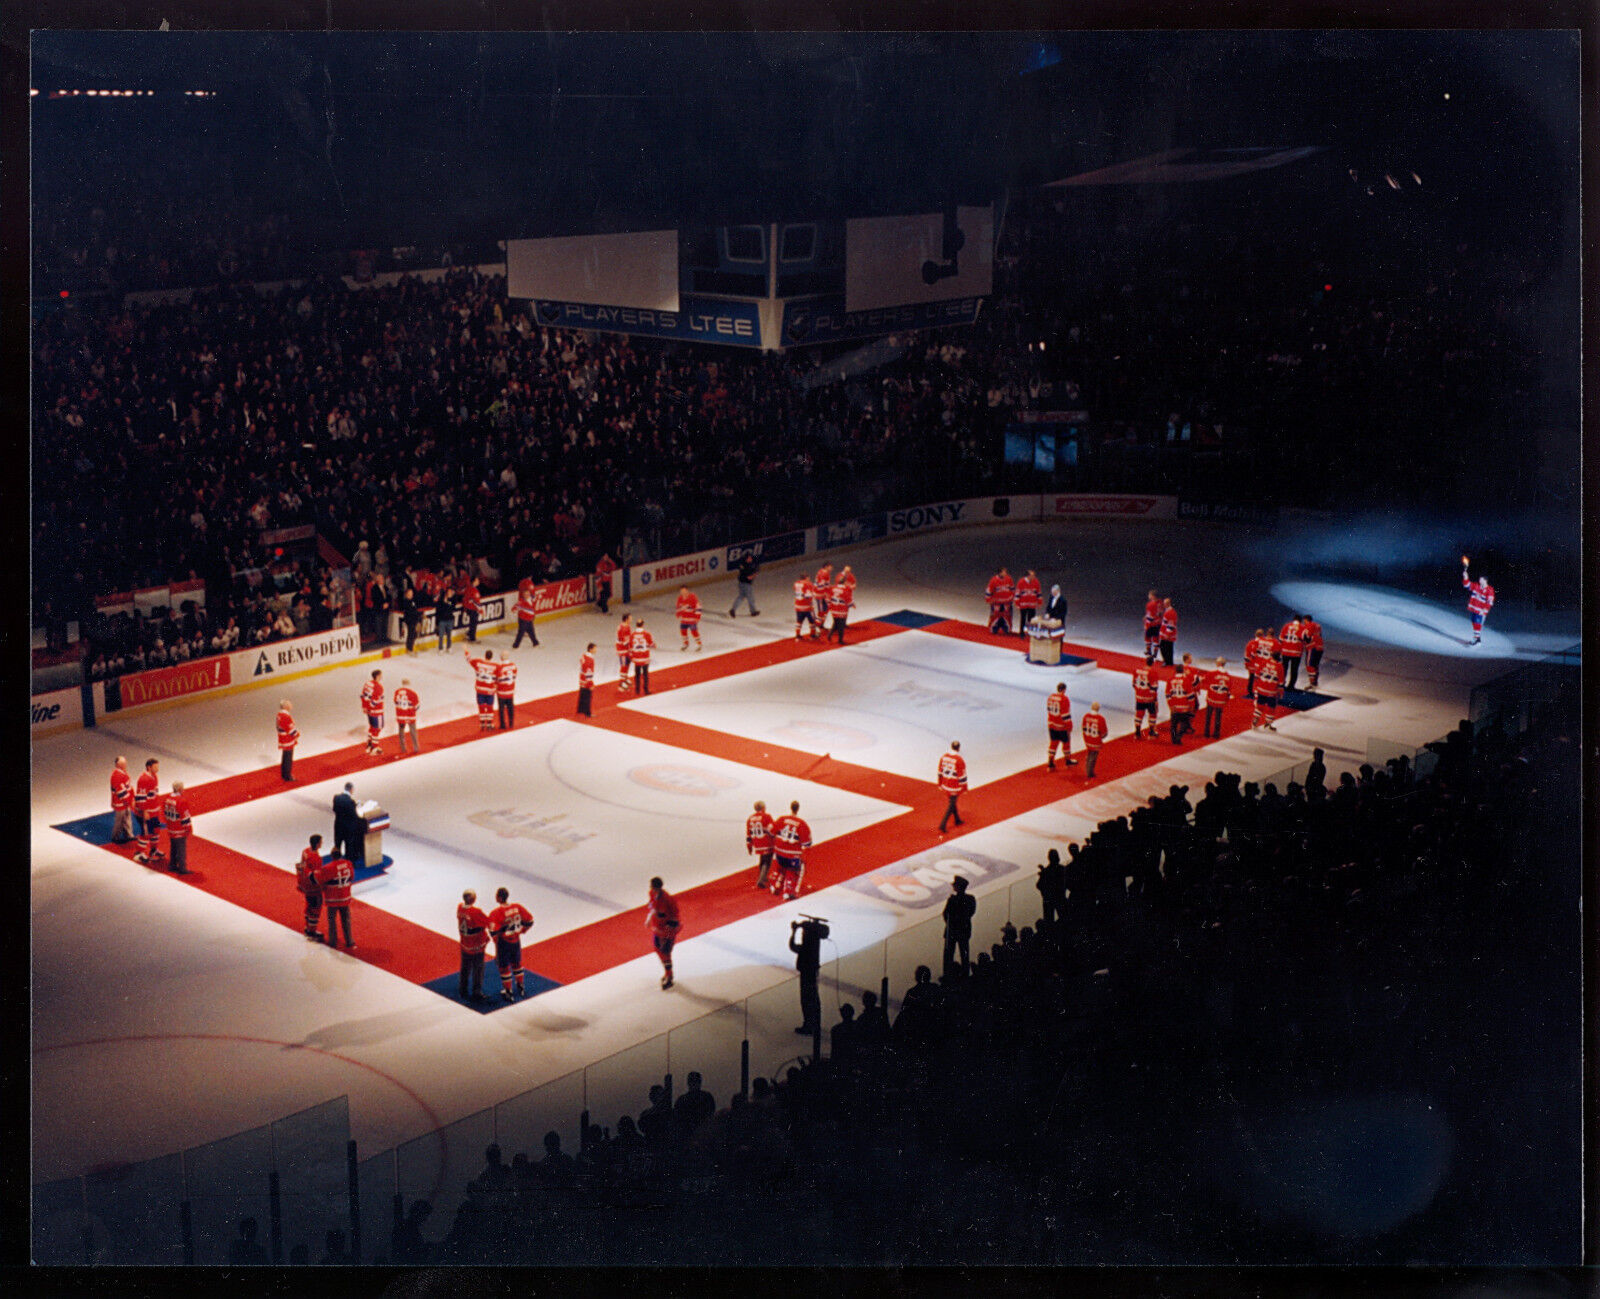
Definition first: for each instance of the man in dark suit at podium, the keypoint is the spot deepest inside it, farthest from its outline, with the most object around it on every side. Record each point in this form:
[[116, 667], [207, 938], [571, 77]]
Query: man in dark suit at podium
[[349, 830], [1056, 607]]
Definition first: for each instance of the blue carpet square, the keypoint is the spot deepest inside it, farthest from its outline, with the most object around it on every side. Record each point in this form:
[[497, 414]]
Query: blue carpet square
[[1301, 700], [91, 829], [908, 618], [448, 986]]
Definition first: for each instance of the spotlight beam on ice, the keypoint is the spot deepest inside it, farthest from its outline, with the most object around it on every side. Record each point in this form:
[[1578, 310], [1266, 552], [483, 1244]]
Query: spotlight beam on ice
[[1391, 617]]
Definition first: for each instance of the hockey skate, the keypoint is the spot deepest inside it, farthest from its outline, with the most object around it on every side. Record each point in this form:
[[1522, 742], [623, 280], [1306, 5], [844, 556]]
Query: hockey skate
[[666, 982]]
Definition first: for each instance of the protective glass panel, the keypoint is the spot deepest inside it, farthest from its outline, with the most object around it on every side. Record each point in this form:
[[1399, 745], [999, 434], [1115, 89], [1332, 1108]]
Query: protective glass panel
[[772, 1019], [437, 1166], [860, 972], [920, 945], [620, 1084], [375, 1184], [708, 1046], [226, 1182], [58, 1224], [312, 1153], [522, 1121]]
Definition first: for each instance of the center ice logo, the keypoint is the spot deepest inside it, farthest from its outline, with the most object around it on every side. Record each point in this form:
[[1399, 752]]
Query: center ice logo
[[681, 780], [803, 734]]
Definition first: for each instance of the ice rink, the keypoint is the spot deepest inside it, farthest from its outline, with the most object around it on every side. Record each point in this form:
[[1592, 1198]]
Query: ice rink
[[195, 1018]]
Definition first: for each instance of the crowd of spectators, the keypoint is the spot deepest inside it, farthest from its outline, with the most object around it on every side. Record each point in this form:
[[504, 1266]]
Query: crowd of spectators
[[1155, 1072], [435, 420]]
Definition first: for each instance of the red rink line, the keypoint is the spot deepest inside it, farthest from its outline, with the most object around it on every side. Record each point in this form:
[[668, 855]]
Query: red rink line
[[421, 955], [381, 938], [247, 786]]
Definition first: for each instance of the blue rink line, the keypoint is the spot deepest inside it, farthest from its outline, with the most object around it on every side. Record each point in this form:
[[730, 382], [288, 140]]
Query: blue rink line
[[448, 987]]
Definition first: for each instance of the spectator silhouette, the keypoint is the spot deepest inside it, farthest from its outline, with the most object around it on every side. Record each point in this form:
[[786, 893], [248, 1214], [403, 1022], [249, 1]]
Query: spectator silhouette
[[247, 1250]]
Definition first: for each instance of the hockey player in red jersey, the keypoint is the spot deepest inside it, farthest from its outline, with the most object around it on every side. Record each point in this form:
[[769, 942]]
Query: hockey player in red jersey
[[1311, 631], [1290, 644], [372, 709], [472, 928], [688, 618], [1094, 736], [952, 783], [307, 881], [639, 656], [505, 692], [841, 598], [472, 606], [1152, 626], [1480, 599], [485, 674], [1167, 636], [1219, 689], [758, 840], [661, 915], [791, 837], [1180, 702], [288, 737], [1029, 595], [999, 593], [121, 801], [175, 814], [406, 704], [1269, 686], [1144, 703], [1058, 721], [624, 653], [525, 613], [821, 588], [508, 922], [147, 811], [336, 876], [586, 682], [804, 599]]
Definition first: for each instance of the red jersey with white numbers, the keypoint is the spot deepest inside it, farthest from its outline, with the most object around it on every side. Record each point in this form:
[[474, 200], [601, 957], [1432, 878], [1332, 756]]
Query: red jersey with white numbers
[[405, 705], [175, 812], [803, 595], [757, 832], [1289, 639], [336, 877], [1218, 687], [952, 773], [689, 608], [505, 680], [999, 591], [485, 673], [306, 871], [288, 737], [1269, 685], [1058, 711], [372, 699], [1144, 689], [1480, 598], [1029, 593], [1094, 730], [639, 650], [586, 671], [121, 789], [509, 922], [791, 836], [1180, 696], [472, 926], [840, 599]]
